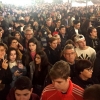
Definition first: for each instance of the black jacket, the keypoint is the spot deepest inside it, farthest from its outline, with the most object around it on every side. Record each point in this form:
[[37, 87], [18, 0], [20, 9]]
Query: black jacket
[[6, 78]]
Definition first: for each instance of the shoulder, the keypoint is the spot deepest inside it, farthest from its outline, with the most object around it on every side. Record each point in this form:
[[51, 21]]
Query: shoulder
[[35, 97], [78, 90]]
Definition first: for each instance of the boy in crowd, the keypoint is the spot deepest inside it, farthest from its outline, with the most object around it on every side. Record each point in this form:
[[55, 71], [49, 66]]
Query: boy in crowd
[[61, 88], [22, 90]]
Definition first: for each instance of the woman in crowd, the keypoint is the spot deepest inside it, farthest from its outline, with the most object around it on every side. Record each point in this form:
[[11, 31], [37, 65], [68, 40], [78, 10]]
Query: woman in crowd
[[39, 69], [15, 66], [33, 47], [18, 36], [13, 42]]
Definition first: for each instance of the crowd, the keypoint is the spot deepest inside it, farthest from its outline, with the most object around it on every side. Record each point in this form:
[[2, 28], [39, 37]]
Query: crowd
[[49, 51]]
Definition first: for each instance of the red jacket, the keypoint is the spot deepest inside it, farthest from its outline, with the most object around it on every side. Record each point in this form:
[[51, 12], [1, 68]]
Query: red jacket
[[11, 96], [74, 93]]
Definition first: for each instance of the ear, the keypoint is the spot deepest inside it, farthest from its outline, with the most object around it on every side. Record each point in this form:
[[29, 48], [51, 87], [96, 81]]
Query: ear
[[76, 44], [31, 90], [68, 78]]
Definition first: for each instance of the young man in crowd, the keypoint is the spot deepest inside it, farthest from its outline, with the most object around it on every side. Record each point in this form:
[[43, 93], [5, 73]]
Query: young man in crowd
[[22, 90], [83, 51], [61, 88]]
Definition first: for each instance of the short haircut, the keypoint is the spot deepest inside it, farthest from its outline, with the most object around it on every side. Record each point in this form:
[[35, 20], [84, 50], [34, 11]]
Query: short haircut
[[60, 69], [68, 46], [92, 92], [83, 64], [76, 22], [4, 45], [90, 29], [62, 26], [22, 83], [52, 39], [29, 29]]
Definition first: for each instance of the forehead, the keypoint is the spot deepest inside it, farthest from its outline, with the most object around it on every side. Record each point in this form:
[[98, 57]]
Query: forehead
[[82, 40], [21, 92], [69, 50], [2, 47], [59, 80]]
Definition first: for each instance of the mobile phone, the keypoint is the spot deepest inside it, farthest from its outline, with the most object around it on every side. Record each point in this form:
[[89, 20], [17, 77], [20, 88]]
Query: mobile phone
[[5, 57]]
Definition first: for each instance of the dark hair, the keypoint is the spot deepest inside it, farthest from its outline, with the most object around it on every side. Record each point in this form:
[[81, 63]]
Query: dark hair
[[62, 26], [60, 69], [22, 83], [76, 22], [85, 24], [52, 39], [10, 39], [35, 41], [69, 41], [44, 61], [17, 32], [90, 29], [4, 45], [9, 51], [83, 64], [92, 92]]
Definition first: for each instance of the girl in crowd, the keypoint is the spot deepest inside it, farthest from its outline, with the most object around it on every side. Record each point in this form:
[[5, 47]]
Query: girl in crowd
[[13, 42], [33, 47], [15, 65], [40, 67], [18, 36]]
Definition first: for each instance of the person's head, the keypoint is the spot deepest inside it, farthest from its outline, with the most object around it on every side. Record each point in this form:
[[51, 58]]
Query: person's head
[[17, 23], [69, 53], [76, 24], [48, 22], [59, 75], [27, 18], [84, 69], [58, 23], [17, 35], [12, 54], [92, 32], [28, 33], [62, 29], [58, 38], [80, 41], [53, 42], [23, 88], [41, 58], [3, 49], [13, 42], [22, 22], [33, 45], [92, 92]]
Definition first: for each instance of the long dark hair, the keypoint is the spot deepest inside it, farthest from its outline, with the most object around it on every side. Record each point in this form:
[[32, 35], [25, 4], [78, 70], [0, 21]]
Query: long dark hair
[[44, 61], [9, 52], [35, 41]]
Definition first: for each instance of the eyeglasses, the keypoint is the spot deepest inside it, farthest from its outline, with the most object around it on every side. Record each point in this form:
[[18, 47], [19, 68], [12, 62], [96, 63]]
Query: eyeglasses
[[89, 69]]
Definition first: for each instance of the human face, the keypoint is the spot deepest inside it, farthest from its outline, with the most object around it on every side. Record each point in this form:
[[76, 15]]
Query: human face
[[82, 44], [23, 94], [14, 44], [61, 84], [77, 26], [32, 47], [2, 52], [48, 23], [53, 45], [58, 23], [86, 73], [12, 56], [28, 35], [17, 36], [70, 55], [63, 30], [38, 59], [58, 39], [93, 33]]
